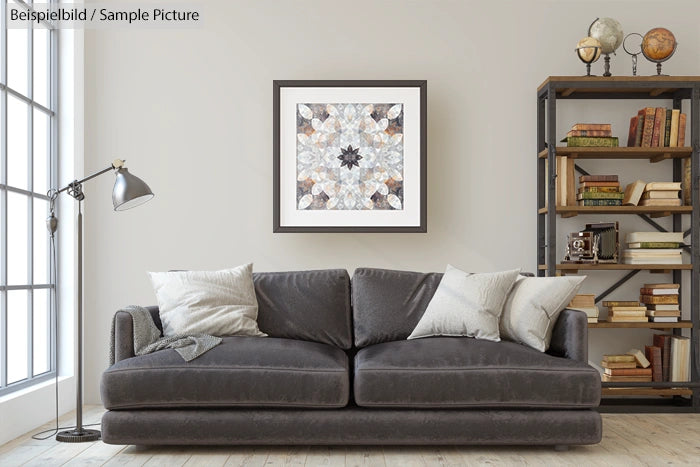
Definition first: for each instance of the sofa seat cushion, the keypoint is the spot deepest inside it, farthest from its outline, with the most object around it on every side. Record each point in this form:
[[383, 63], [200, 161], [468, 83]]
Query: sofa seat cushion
[[241, 371], [462, 372]]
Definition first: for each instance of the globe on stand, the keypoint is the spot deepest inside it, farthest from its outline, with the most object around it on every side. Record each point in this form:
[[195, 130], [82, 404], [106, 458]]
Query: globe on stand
[[658, 45], [588, 51], [609, 32]]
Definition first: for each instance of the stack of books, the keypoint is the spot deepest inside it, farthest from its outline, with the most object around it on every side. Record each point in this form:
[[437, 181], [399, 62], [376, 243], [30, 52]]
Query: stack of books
[[591, 135], [585, 303], [661, 301], [653, 248], [626, 312], [661, 194], [630, 367], [657, 127], [599, 190]]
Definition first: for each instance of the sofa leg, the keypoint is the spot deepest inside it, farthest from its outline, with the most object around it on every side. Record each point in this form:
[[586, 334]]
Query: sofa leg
[[561, 447]]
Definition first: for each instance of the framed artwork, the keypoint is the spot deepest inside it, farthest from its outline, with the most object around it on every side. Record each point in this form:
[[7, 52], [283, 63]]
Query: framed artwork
[[349, 156]]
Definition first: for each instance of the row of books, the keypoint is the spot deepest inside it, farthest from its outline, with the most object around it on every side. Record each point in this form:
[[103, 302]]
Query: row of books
[[639, 193], [668, 359], [591, 135], [653, 248], [654, 127]]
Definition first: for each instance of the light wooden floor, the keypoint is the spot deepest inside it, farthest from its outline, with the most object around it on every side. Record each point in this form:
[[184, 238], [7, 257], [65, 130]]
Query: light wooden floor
[[627, 440]]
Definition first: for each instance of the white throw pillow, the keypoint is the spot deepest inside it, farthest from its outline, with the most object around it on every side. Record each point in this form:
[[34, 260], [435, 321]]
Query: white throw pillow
[[220, 303], [533, 307], [466, 305]]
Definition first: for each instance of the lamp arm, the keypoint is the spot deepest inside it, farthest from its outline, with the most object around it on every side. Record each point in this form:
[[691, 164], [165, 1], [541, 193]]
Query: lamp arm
[[117, 164]]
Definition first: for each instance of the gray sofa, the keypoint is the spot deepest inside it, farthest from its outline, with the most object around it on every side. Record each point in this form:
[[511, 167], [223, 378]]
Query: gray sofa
[[337, 369]]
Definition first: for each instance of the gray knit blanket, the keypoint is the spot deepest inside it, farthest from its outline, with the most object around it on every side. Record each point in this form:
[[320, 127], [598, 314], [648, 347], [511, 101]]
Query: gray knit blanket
[[147, 337]]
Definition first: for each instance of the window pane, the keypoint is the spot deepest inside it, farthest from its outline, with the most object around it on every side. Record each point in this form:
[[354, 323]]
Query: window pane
[[41, 242], [41, 325], [17, 239], [41, 65], [17, 59], [17, 150], [41, 152], [16, 335]]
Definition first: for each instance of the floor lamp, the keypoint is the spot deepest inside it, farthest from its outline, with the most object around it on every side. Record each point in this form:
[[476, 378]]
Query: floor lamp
[[129, 191]]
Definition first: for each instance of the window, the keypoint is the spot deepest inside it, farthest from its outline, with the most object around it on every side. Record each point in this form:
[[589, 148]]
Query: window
[[27, 171]]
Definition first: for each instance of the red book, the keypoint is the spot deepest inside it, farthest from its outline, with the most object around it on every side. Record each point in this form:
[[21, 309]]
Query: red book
[[606, 133], [629, 372], [663, 341], [640, 128], [653, 354], [592, 126], [681, 130], [631, 137], [597, 178], [648, 130], [659, 122]]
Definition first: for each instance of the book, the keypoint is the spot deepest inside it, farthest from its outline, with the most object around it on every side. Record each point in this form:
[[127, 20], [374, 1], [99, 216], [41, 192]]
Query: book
[[591, 184], [639, 356], [629, 371], [599, 189], [598, 178], [659, 119], [663, 341], [633, 193], [607, 133], [591, 141], [592, 126], [561, 180], [656, 299], [663, 319], [652, 251], [591, 311], [617, 358], [676, 237], [626, 379], [660, 202], [660, 194], [653, 354], [631, 364], [663, 307], [673, 138], [652, 291], [627, 319], [680, 359], [598, 195], [664, 313], [685, 190], [681, 130], [632, 136], [610, 303], [627, 308], [678, 259], [661, 186], [640, 128], [662, 285], [582, 300], [592, 319], [648, 130], [600, 202], [653, 245], [667, 129]]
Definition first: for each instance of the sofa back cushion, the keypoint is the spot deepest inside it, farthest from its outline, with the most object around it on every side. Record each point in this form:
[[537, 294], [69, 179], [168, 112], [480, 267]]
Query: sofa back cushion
[[306, 305], [387, 304]]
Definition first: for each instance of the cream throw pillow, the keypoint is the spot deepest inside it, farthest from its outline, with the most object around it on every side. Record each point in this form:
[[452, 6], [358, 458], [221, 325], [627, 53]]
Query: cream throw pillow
[[466, 305], [220, 303], [533, 307]]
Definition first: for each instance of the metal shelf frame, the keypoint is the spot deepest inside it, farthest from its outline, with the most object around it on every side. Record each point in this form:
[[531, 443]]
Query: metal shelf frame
[[676, 89]]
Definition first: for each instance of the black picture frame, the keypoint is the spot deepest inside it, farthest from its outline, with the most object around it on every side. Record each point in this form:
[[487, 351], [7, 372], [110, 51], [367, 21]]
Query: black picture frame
[[421, 87]]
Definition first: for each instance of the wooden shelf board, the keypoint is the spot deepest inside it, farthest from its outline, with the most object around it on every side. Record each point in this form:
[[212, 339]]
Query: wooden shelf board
[[653, 154], [657, 211], [648, 325], [647, 392], [616, 267], [653, 85]]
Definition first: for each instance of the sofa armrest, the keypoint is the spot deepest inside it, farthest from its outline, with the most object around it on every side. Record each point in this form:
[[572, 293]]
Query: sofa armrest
[[570, 336], [124, 333]]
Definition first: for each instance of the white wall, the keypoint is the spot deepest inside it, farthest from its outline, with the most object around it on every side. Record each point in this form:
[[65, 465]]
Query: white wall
[[191, 111]]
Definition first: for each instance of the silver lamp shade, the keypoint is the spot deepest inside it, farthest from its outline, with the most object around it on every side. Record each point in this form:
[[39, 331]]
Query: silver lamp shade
[[129, 191]]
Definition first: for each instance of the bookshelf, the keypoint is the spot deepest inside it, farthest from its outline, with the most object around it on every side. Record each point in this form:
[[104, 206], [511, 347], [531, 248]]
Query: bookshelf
[[626, 397]]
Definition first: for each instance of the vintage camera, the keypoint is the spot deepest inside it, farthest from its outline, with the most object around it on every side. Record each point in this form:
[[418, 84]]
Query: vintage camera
[[597, 243]]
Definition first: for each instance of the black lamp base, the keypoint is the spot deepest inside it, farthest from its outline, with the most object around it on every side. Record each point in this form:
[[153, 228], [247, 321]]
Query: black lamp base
[[78, 436]]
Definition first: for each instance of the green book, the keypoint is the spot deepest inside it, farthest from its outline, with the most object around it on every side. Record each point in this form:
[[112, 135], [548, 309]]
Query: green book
[[592, 141], [599, 189], [600, 195], [600, 202], [653, 245]]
